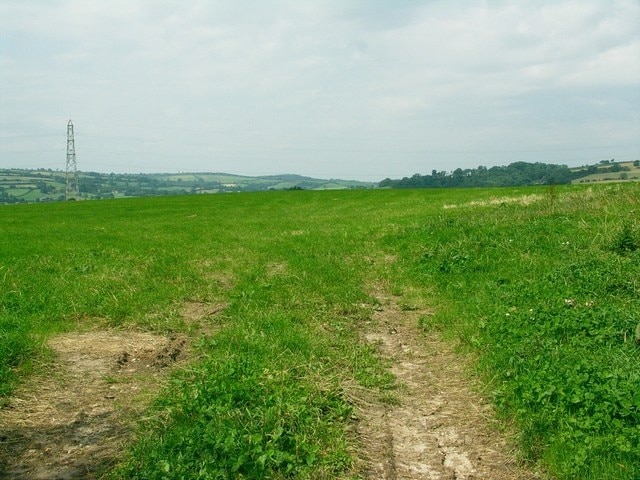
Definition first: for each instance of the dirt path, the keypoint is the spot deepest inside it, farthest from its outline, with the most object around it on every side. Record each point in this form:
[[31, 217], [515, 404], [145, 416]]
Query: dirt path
[[75, 421], [440, 428], [72, 422]]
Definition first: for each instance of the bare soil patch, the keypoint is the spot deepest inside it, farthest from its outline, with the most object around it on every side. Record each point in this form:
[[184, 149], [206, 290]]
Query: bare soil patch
[[74, 421], [199, 316], [441, 428]]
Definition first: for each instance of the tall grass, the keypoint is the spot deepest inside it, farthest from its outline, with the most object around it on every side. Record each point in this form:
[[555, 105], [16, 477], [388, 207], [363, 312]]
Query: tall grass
[[541, 285]]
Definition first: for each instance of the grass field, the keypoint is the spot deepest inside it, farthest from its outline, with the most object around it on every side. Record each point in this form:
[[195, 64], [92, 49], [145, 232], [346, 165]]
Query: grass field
[[631, 173], [539, 285]]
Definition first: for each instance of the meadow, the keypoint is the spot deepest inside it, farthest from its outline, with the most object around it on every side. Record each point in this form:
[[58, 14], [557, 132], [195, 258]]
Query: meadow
[[537, 285]]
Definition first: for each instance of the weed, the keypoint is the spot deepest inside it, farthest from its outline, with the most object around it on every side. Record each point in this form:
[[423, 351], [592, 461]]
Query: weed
[[626, 240]]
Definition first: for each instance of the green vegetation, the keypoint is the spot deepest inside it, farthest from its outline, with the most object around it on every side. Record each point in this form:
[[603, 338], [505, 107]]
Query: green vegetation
[[608, 171], [42, 185], [273, 377], [519, 174], [27, 186], [547, 296], [539, 284]]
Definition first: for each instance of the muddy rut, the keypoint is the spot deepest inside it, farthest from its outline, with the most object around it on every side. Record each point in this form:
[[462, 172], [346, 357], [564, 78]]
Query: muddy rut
[[440, 428]]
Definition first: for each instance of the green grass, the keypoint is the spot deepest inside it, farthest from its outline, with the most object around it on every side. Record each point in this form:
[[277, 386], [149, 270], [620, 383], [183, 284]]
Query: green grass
[[548, 296], [289, 344], [539, 284]]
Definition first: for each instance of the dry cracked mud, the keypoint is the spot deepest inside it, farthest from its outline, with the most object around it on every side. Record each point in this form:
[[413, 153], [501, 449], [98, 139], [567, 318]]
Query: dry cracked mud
[[441, 427], [75, 421]]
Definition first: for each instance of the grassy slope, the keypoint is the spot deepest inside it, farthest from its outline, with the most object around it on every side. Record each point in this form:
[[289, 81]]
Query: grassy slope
[[610, 177], [632, 174], [546, 293]]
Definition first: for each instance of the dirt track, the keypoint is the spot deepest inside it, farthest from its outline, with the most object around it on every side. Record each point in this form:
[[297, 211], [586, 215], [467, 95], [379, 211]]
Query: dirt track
[[441, 428], [75, 421], [72, 423]]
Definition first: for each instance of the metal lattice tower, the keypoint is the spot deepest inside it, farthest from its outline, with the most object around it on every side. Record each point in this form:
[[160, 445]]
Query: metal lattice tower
[[72, 170]]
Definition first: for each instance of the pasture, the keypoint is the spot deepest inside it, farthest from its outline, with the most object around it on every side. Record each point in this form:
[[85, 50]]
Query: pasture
[[536, 288]]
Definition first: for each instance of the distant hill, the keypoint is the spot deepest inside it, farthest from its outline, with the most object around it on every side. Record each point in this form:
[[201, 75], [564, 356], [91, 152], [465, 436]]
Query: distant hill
[[520, 174], [45, 185], [608, 171]]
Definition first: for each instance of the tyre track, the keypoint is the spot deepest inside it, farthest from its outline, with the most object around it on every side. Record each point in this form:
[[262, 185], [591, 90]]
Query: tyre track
[[441, 427]]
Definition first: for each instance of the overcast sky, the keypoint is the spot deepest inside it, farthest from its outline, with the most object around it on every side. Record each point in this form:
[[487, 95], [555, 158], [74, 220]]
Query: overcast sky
[[352, 89]]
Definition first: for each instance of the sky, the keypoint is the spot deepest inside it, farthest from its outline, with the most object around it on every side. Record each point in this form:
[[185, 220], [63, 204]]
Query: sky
[[349, 89]]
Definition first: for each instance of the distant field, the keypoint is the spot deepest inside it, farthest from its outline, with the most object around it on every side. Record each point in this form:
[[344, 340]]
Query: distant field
[[631, 173], [22, 185], [538, 285], [610, 177]]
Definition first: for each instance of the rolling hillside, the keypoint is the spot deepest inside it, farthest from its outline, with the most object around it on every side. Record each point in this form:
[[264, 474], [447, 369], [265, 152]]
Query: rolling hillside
[[45, 185]]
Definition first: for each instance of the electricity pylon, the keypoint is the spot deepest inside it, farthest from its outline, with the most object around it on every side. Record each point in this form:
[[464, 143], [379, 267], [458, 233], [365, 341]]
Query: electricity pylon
[[72, 170]]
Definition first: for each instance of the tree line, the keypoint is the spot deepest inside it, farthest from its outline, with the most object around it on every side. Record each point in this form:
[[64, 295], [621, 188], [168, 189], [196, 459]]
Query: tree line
[[512, 175]]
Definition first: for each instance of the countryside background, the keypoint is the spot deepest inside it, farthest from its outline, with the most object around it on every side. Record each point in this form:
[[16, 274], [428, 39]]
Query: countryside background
[[46, 185], [475, 314]]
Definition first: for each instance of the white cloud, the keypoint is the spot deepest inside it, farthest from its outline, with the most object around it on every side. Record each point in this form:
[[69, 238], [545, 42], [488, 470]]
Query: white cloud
[[329, 88]]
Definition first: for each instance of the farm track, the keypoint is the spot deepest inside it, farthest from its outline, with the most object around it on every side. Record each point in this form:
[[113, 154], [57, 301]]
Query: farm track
[[75, 422], [441, 428]]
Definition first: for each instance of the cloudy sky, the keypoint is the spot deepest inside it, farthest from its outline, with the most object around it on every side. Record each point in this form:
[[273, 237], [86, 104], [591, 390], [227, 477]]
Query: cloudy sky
[[353, 89]]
